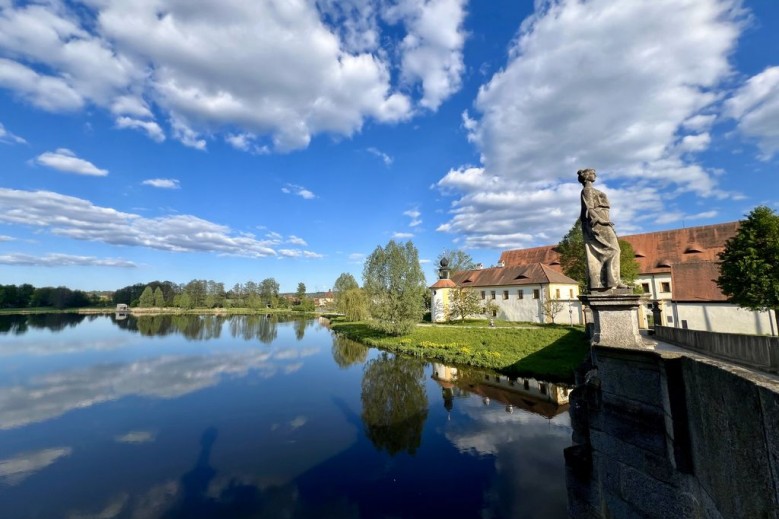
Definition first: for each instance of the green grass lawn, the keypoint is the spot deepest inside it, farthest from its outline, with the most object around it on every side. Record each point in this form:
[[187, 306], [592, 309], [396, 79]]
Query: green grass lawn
[[546, 352]]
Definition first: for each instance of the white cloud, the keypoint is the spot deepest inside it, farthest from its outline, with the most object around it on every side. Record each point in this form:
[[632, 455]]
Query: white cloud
[[414, 214], [162, 183], [47, 92], [8, 137], [65, 160], [302, 192], [79, 219], [383, 156], [402, 235], [62, 260], [151, 128], [3, 237], [755, 106], [296, 253], [432, 49], [295, 240], [326, 66], [627, 91]]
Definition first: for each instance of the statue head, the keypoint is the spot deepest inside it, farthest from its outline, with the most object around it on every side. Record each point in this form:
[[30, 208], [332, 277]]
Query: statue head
[[586, 175]]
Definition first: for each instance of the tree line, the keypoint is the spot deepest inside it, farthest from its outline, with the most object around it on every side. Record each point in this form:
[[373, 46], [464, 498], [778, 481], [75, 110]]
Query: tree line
[[202, 293], [28, 296]]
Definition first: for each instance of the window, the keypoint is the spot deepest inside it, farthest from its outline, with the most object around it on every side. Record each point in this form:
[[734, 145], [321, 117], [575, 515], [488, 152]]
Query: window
[[684, 323], [557, 293], [536, 293], [483, 294], [520, 294], [492, 294], [665, 286], [505, 294], [484, 310], [494, 313], [645, 287], [670, 319], [570, 293]]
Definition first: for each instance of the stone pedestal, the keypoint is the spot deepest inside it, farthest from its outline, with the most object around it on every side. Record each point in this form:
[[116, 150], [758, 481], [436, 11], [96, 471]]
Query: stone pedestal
[[615, 316]]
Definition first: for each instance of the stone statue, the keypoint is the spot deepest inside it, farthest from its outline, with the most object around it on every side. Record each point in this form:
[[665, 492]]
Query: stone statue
[[600, 240]]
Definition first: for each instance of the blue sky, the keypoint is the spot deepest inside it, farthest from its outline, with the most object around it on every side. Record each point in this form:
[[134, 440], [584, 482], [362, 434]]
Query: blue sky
[[238, 140]]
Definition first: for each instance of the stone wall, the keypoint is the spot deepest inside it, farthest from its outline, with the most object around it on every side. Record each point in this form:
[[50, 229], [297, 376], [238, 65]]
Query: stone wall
[[662, 435], [754, 350]]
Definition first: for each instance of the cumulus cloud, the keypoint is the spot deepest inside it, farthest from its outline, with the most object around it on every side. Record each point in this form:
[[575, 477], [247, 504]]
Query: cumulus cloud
[[432, 49], [326, 66], [8, 137], [80, 219], [415, 215], [63, 260], [302, 192], [627, 91], [65, 160], [755, 106], [162, 183], [151, 128], [295, 240]]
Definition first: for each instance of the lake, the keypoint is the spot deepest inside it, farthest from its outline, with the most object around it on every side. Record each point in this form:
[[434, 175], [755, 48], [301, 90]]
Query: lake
[[261, 416]]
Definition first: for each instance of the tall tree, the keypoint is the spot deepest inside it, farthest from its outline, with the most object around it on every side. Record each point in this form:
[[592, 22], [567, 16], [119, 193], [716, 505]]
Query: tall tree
[[573, 258], [749, 273], [301, 292], [269, 291], [459, 260], [159, 298], [147, 298], [395, 286]]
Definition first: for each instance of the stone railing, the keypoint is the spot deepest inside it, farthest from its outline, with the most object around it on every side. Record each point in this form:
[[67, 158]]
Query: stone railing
[[754, 350]]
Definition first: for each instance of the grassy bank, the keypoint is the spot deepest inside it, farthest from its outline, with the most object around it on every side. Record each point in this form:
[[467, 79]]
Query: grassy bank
[[546, 352]]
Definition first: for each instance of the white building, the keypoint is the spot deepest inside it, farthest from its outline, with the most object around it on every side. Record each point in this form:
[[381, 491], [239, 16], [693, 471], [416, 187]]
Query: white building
[[526, 293], [677, 269]]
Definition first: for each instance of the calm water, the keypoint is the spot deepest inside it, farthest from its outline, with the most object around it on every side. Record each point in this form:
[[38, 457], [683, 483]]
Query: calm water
[[186, 417]]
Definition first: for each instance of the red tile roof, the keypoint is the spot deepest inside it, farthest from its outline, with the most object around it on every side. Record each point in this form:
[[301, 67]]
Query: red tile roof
[[532, 274], [444, 283], [656, 252], [696, 282]]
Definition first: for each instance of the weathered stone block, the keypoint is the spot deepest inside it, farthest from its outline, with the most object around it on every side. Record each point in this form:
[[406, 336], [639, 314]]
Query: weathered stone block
[[614, 448], [769, 403], [656, 498], [728, 441]]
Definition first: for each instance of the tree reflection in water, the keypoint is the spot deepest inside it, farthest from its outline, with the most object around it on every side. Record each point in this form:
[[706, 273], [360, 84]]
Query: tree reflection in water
[[300, 328], [204, 327], [19, 324], [347, 352], [394, 403], [262, 327]]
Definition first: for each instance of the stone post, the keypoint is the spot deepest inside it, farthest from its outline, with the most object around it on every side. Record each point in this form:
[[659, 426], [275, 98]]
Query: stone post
[[615, 315], [657, 314]]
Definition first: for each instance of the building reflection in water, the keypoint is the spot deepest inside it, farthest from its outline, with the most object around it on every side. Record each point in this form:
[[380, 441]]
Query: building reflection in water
[[538, 397]]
